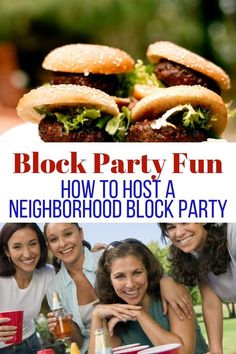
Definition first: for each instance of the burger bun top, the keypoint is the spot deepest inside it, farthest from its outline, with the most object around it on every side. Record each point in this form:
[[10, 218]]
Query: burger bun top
[[155, 104], [170, 51], [142, 90], [88, 58], [62, 96]]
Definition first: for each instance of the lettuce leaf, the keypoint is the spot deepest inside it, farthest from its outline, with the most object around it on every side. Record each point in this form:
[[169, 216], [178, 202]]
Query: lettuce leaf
[[198, 117], [118, 126], [192, 118], [78, 117], [142, 74]]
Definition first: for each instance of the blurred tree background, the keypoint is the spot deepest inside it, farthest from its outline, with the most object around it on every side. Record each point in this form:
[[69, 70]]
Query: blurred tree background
[[207, 27], [162, 255]]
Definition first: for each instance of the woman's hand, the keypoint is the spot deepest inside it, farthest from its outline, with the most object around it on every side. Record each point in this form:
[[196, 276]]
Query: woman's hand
[[52, 321], [114, 320], [123, 312], [111, 325], [99, 247], [120, 313], [176, 296], [6, 332]]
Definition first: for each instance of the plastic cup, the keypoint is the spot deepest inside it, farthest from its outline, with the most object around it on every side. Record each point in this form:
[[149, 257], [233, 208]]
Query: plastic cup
[[132, 350], [125, 346], [16, 319], [164, 349]]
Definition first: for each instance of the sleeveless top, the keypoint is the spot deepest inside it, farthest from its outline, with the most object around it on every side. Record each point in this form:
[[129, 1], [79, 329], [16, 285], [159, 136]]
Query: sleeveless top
[[132, 332]]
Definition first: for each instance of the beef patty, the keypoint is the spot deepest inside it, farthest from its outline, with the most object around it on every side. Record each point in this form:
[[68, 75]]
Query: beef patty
[[52, 131], [143, 132], [173, 74], [106, 83]]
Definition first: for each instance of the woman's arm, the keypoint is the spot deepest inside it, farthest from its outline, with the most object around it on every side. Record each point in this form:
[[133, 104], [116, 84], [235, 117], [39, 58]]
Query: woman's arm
[[101, 313], [76, 336], [175, 295], [213, 317], [181, 331]]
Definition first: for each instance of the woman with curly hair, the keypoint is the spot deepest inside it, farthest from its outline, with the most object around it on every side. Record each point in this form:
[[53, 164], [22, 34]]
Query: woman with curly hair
[[205, 255], [128, 289]]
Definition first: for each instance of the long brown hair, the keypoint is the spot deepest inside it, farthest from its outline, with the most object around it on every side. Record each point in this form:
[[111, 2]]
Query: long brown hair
[[187, 269], [56, 263], [7, 268], [121, 249]]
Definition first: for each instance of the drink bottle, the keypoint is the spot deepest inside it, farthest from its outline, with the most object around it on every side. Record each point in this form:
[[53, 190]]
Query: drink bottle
[[102, 345], [63, 329]]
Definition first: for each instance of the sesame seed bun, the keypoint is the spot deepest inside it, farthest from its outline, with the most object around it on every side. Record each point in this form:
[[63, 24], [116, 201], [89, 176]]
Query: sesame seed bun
[[88, 58], [170, 51], [140, 91], [63, 95], [154, 105]]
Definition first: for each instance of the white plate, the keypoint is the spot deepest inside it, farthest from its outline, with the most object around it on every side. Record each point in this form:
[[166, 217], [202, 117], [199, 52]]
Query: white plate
[[26, 132]]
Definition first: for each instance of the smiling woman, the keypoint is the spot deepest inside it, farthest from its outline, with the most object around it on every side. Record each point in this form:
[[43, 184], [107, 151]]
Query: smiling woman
[[75, 279], [24, 252], [205, 255], [128, 287], [24, 277]]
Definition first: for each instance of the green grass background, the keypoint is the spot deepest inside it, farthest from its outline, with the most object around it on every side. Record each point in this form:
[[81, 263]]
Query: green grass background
[[229, 338]]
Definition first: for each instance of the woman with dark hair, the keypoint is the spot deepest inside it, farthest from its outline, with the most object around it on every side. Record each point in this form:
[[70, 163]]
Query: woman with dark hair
[[205, 255], [75, 279], [24, 278], [128, 288]]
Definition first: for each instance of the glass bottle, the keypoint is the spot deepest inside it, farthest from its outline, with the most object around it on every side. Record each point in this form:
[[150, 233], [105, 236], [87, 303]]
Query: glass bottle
[[63, 329], [101, 342]]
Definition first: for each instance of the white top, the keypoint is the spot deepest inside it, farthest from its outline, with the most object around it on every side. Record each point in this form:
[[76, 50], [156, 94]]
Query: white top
[[65, 286], [29, 299], [224, 285]]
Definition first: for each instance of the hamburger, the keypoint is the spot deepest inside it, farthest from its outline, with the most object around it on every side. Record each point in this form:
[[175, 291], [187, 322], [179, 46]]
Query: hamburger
[[90, 65], [73, 113], [178, 113], [174, 65]]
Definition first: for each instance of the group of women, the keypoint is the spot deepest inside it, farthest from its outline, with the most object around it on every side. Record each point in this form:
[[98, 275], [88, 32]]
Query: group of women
[[121, 287]]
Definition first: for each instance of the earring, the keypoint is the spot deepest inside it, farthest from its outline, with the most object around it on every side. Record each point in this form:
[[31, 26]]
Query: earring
[[9, 260]]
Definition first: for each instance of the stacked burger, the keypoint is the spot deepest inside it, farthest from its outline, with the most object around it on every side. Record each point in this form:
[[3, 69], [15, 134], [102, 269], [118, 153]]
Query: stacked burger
[[77, 105], [178, 101], [189, 108]]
